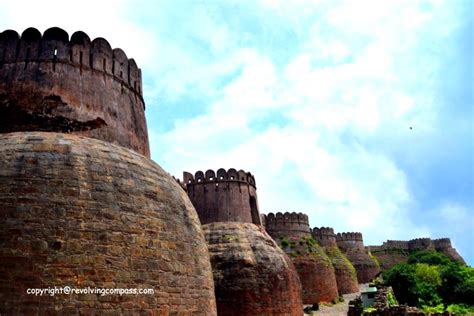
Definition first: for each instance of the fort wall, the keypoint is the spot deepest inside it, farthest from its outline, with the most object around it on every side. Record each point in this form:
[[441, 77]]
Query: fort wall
[[50, 82], [287, 224], [353, 246], [388, 258], [223, 196], [325, 236], [351, 240]]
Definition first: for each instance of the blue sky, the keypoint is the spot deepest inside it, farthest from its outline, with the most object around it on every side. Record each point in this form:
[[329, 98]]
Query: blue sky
[[315, 98]]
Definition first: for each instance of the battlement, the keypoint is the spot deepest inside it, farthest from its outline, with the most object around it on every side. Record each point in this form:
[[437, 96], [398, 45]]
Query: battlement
[[287, 225], [350, 240], [442, 243], [223, 196], [54, 46], [413, 244], [50, 82], [286, 219], [324, 235], [221, 176], [351, 236], [420, 244]]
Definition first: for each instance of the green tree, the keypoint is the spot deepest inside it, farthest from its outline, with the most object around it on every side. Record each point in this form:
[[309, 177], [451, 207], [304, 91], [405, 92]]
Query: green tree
[[431, 257], [458, 284], [401, 278], [428, 282]]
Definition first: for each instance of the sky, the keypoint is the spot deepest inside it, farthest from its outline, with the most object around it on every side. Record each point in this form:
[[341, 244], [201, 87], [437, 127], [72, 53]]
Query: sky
[[357, 113]]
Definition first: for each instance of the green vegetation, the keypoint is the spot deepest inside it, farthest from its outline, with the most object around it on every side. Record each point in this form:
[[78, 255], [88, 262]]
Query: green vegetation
[[374, 258], [391, 300], [307, 245], [432, 282], [339, 260]]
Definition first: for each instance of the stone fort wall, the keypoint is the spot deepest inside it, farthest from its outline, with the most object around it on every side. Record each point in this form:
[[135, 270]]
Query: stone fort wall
[[223, 196], [388, 259], [351, 240], [325, 236], [50, 82], [287, 224]]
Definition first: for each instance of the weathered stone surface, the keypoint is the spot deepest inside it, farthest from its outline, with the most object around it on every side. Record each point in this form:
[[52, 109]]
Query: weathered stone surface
[[346, 275], [316, 273], [352, 245], [223, 196], [291, 231], [52, 83], [82, 212], [252, 275]]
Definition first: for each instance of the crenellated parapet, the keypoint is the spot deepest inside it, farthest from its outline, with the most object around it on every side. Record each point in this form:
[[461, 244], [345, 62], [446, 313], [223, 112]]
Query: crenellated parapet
[[53, 82], [54, 46], [352, 245], [325, 236], [221, 176], [349, 240], [287, 224], [442, 243], [392, 252], [420, 244], [223, 196]]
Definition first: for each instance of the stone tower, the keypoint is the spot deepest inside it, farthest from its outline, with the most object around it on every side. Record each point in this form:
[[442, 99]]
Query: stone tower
[[316, 272], [81, 203], [352, 245], [252, 275], [55, 84], [223, 196], [346, 276]]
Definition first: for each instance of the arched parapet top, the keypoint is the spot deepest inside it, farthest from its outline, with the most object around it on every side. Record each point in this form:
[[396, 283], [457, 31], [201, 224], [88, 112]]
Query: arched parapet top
[[9, 43], [31, 35], [120, 64], [56, 34], [29, 45], [80, 38], [55, 46], [349, 236], [324, 231], [210, 176], [222, 174]]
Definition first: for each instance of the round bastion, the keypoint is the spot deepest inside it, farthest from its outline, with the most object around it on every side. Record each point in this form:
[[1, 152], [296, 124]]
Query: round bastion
[[252, 275], [56, 83], [345, 272], [292, 233], [81, 212]]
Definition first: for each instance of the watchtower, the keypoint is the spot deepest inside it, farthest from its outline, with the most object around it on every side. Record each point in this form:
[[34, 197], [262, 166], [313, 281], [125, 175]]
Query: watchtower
[[325, 236], [287, 224], [50, 82], [223, 196]]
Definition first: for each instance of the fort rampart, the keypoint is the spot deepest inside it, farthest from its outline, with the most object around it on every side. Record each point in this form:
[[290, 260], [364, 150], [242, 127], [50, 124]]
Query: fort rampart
[[223, 196], [287, 224], [325, 236], [50, 82]]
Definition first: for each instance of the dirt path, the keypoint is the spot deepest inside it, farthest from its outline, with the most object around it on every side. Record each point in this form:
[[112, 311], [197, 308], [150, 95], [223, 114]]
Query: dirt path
[[340, 309]]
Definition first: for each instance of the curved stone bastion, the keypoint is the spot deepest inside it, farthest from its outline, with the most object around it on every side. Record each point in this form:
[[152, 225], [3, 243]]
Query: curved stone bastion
[[292, 233], [81, 212], [252, 275], [56, 83]]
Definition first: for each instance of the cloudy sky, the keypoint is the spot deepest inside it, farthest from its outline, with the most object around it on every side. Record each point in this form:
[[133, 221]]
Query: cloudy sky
[[358, 113]]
